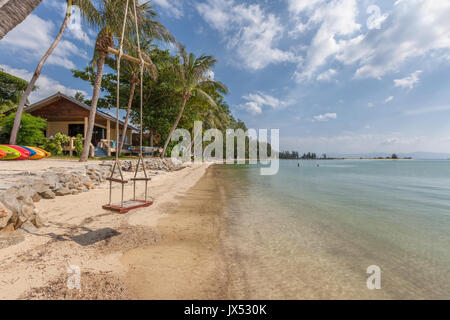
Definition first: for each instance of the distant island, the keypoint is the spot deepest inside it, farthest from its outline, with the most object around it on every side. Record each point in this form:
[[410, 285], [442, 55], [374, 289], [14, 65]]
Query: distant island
[[295, 155]]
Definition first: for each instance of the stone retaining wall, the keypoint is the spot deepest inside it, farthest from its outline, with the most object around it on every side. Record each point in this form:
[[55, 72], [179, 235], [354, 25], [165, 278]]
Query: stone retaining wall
[[17, 208]]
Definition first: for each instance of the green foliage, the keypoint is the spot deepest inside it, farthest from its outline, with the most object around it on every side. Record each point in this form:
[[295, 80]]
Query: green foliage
[[162, 99], [31, 131], [78, 143], [11, 88], [54, 145]]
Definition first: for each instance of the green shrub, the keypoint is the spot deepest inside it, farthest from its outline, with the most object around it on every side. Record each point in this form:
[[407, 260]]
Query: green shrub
[[54, 144], [79, 144], [31, 131]]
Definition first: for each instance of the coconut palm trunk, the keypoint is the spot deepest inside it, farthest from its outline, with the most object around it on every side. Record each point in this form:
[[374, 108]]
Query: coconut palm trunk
[[185, 99], [93, 111], [13, 12], [37, 73], [125, 125]]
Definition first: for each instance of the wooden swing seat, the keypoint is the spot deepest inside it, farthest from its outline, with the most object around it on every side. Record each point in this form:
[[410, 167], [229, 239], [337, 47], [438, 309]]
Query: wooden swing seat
[[127, 206]]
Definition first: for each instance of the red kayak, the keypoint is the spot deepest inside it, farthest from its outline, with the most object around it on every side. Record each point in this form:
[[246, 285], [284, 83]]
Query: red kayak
[[2, 154], [24, 153]]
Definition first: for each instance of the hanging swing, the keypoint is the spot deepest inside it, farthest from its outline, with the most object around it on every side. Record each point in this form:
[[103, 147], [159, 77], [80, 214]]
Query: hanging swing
[[125, 206]]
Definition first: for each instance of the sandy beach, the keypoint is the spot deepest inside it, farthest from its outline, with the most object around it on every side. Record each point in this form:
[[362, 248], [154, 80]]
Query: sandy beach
[[170, 250]]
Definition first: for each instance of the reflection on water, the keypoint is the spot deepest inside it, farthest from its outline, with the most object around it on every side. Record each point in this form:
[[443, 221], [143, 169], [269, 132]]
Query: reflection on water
[[312, 231]]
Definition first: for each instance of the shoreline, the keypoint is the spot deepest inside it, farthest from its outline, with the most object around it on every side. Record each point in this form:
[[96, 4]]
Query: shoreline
[[189, 261], [78, 232]]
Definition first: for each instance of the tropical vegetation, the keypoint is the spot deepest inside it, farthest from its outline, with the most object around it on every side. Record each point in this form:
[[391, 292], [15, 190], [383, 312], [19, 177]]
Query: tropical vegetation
[[176, 89]]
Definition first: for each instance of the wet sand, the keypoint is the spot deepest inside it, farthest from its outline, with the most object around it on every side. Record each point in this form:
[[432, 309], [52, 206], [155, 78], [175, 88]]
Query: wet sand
[[188, 262]]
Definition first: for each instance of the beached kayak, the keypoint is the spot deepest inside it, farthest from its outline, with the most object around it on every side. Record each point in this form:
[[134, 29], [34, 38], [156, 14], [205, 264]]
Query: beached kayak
[[24, 153], [39, 154], [32, 152], [2, 154], [11, 153], [47, 154]]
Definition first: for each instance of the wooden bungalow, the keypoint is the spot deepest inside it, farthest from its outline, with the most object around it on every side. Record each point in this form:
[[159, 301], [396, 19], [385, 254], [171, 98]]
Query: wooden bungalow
[[69, 116]]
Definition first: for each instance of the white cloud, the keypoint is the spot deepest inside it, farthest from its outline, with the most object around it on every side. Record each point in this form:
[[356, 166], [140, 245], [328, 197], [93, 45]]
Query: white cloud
[[173, 8], [370, 105], [256, 102], [210, 75], [334, 21], [409, 29], [46, 85], [32, 38], [249, 32], [327, 75], [325, 117], [409, 81], [388, 99], [414, 28]]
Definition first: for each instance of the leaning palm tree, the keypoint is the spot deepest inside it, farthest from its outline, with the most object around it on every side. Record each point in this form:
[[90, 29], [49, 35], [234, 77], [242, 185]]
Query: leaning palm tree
[[193, 80], [90, 14], [112, 14], [133, 70], [13, 12]]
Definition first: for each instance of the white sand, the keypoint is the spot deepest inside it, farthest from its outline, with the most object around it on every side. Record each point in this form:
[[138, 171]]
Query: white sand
[[79, 232]]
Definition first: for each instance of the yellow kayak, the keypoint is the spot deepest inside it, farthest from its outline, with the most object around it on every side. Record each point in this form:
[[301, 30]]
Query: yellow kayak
[[40, 154]]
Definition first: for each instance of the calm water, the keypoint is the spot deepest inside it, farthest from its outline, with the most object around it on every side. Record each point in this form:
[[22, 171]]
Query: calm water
[[311, 232]]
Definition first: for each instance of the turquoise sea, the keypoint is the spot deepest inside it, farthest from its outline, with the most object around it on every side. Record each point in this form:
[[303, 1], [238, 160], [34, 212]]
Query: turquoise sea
[[312, 231]]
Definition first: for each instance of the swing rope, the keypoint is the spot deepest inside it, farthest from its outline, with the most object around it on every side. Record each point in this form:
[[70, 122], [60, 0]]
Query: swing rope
[[119, 54]]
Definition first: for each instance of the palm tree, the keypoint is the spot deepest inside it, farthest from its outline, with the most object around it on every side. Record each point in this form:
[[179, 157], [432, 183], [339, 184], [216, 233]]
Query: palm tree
[[89, 13], [13, 12], [112, 15], [133, 70], [192, 80]]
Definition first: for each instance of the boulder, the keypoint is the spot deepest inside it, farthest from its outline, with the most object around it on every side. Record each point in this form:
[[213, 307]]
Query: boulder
[[36, 197], [29, 227], [5, 215], [63, 191], [47, 194]]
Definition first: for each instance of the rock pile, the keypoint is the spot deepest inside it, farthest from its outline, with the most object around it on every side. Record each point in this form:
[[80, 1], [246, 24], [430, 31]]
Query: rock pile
[[17, 208], [167, 164]]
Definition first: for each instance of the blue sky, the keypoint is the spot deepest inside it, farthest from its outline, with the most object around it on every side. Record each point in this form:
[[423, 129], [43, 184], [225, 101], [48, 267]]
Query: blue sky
[[335, 76]]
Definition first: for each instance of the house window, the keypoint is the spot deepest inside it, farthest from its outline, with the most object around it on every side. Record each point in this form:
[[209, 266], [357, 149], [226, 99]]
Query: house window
[[75, 129]]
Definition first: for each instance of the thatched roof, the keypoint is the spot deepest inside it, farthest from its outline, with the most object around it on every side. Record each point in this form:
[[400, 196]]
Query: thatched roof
[[13, 12]]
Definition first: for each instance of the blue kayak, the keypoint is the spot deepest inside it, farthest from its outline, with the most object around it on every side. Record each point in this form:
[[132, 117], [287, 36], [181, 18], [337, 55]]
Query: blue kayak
[[31, 150]]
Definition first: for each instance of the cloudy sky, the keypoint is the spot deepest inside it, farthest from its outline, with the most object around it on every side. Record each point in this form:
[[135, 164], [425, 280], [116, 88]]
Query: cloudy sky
[[335, 76]]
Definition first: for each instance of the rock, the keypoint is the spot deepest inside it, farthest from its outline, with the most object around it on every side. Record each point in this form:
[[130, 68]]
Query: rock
[[63, 191], [9, 200], [8, 228], [29, 227], [5, 216], [75, 192], [27, 211], [38, 221], [50, 178], [36, 197], [47, 194]]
